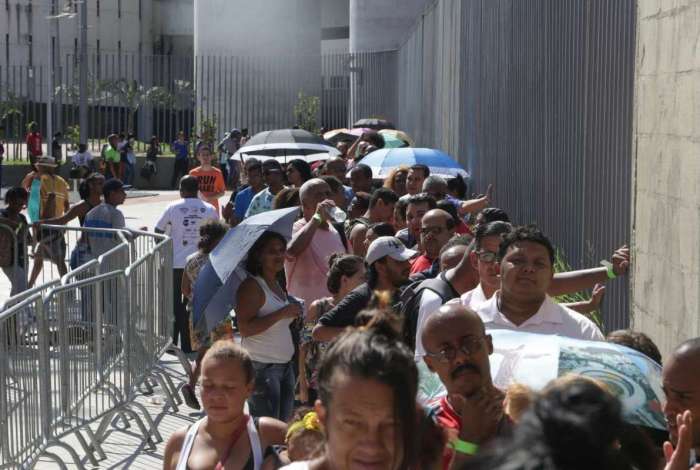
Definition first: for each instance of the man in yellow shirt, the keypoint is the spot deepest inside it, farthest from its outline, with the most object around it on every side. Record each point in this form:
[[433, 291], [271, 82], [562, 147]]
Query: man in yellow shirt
[[54, 203]]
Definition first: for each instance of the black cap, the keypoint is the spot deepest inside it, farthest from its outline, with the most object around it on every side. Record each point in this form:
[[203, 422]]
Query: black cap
[[111, 185]]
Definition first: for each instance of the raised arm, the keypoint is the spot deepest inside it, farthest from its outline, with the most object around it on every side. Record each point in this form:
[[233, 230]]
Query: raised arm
[[575, 281]]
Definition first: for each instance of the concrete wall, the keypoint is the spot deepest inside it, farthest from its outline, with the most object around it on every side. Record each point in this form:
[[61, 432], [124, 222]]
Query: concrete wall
[[666, 221], [380, 25]]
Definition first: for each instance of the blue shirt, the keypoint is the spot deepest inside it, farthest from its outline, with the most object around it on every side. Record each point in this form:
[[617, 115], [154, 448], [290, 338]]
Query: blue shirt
[[242, 202], [180, 149]]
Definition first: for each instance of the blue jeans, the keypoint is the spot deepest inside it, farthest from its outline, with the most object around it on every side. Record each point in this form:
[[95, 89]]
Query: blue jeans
[[274, 390]]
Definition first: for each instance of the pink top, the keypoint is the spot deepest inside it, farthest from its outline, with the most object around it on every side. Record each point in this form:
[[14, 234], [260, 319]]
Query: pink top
[[307, 273]]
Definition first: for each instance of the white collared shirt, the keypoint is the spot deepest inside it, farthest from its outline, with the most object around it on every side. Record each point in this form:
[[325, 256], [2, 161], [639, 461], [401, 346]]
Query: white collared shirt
[[474, 298], [551, 319]]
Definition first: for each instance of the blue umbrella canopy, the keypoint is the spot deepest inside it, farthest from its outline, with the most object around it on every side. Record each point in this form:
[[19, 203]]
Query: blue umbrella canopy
[[534, 360], [214, 293], [384, 160]]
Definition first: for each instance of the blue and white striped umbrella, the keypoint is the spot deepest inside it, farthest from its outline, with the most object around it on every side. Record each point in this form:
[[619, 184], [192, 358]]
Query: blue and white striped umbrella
[[384, 160]]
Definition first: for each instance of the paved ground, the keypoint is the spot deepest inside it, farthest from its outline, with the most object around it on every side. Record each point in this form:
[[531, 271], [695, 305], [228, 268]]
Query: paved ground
[[125, 448]]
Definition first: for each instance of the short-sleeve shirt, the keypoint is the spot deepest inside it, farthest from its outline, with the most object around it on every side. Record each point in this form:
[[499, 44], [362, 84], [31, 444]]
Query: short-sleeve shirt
[[211, 182], [21, 234], [112, 155], [307, 273], [57, 185], [183, 219], [82, 159], [103, 216], [180, 149], [551, 319], [420, 264], [261, 202], [242, 202]]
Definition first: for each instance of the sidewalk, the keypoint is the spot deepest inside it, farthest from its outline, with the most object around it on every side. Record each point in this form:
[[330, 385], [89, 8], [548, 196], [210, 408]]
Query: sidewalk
[[125, 448]]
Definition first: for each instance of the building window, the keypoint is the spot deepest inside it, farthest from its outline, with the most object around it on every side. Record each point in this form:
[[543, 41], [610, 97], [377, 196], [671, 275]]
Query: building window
[[119, 8], [75, 52], [140, 5], [119, 48], [98, 7], [7, 5], [7, 49]]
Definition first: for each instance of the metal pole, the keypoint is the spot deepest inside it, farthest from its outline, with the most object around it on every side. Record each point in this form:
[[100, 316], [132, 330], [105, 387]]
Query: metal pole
[[83, 79], [49, 96]]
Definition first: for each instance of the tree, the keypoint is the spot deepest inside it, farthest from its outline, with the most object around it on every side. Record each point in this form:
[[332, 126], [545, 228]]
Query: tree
[[306, 112], [132, 95]]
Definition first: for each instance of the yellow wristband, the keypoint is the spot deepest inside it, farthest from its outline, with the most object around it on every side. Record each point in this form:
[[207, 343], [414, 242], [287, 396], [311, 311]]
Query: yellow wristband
[[464, 447]]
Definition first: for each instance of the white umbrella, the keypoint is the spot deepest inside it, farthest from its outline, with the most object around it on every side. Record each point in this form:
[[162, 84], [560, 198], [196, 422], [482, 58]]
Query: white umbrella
[[313, 157]]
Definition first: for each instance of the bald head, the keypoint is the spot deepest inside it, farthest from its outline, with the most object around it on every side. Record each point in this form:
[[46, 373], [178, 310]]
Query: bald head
[[436, 229], [452, 256], [450, 316], [688, 350], [311, 194], [457, 349]]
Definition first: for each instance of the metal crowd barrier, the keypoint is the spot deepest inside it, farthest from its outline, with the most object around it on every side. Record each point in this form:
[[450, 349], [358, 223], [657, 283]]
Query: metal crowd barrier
[[75, 352]]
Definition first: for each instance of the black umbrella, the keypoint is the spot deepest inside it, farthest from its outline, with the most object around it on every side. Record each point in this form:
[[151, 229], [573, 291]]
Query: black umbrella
[[373, 123], [283, 142]]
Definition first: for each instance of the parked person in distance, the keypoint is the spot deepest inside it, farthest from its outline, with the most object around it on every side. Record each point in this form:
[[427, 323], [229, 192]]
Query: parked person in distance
[[181, 148]]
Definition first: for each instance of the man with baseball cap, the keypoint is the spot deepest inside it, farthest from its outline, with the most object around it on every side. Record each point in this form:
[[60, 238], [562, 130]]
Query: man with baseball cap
[[106, 215], [388, 268]]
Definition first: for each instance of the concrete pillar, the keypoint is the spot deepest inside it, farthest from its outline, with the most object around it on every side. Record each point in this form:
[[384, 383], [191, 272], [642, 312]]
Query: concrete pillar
[[666, 215]]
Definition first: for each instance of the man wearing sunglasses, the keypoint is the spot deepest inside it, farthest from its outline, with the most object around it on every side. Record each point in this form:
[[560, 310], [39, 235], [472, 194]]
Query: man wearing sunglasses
[[457, 349], [274, 178]]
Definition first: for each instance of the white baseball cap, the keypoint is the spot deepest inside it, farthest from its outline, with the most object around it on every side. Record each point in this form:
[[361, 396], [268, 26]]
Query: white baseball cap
[[388, 246]]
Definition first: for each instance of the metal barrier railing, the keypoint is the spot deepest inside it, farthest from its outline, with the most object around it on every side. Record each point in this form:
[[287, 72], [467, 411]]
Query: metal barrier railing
[[75, 351]]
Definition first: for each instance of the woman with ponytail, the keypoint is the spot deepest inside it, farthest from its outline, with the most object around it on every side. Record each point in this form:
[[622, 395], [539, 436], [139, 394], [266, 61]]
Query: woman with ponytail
[[345, 273]]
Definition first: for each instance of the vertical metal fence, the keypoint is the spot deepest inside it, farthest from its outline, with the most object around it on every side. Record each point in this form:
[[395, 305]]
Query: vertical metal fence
[[534, 96], [161, 95], [75, 351]]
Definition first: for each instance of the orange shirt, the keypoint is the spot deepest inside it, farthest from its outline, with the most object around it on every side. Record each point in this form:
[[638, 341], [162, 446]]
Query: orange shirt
[[211, 182]]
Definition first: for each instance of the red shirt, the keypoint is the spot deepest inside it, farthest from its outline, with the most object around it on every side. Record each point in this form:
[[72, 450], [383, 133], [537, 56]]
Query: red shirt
[[420, 263], [445, 416], [463, 229], [34, 143]]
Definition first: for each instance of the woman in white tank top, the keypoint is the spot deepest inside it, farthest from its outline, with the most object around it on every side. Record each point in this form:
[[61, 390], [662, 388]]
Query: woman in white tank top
[[264, 314], [226, 437]]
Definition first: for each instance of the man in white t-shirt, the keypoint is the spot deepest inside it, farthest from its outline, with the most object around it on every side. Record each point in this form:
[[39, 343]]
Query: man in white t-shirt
[[526, 271], [181, 220]]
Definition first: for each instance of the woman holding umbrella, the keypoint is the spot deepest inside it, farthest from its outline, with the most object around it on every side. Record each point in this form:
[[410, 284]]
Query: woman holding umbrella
[[264, 313]]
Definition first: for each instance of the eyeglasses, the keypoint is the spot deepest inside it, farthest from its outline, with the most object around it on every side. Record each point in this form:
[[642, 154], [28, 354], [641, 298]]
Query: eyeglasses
[[468, 345], [486, 256]]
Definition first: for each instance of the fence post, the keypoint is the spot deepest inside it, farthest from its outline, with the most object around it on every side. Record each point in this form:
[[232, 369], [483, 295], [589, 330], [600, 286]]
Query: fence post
[[125, 306], [43, 335]]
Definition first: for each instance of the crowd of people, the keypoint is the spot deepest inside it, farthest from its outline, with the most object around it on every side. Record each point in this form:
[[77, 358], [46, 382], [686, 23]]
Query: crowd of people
[[318, 363]]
